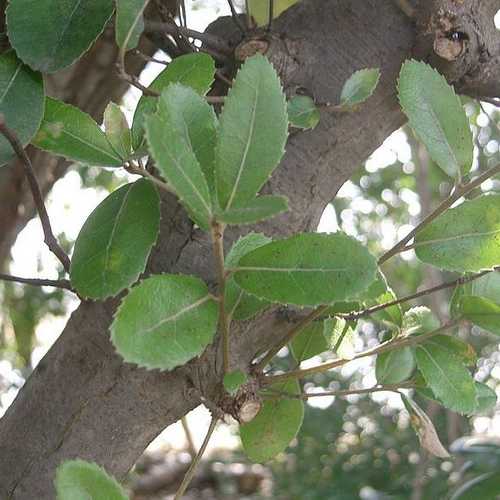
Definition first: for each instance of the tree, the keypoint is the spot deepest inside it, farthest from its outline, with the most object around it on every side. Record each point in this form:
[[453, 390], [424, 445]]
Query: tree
[[107, 411]]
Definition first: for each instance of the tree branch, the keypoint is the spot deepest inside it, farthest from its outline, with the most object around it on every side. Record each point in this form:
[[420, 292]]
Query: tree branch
[[64, 284]]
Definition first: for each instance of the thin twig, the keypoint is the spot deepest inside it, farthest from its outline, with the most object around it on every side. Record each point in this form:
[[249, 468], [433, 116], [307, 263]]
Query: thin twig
[[236, 17], [217, 234], [194, 464], [189, 437], [64, 284], [490, 100], [147, 58], [134, 169], [390, 345], [49, 238], [445, 205]]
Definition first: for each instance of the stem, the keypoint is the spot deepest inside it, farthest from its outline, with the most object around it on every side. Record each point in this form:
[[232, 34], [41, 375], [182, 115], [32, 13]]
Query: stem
[[306, 321], [390, 345], [64, 284], [235, 17], [217, 233], [194, 464], [134, 169], [189, 437], [455, 196], [49, 238]]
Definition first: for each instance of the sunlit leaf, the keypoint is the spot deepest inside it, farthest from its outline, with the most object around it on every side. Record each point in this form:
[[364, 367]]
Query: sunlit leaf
[[419, 320], [339, 337], [117, 130], [359, 87]]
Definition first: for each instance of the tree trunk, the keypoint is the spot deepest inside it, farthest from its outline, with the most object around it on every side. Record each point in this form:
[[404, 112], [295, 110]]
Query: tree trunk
[[82, 400]]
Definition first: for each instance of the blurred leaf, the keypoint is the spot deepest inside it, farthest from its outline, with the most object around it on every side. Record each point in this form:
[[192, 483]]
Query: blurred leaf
[[419, 320], [129, 22], [484, 487], [486, 399], [170, 330], [391, 316], [59, 32], [482, 312], [78, 480], [396, 366], [340, 337], [113, 246], [302, 112], [309, 342], [117, 130], [252, 133], [21, 102], [256, 210], [359, 87], [437, 116]]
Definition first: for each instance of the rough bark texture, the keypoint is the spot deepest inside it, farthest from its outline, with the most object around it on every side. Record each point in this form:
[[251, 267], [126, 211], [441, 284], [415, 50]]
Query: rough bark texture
[[82, 400]]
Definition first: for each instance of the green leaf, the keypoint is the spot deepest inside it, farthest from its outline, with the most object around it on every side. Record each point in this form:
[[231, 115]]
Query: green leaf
[[486, 399], [49, 35], [447, 376], [482, 312], [487, 286], [21, 101], [394, 367], [67, 131], [359, 87], [117, 130], [484, 487], [390, 316], [307, 269], [456, 347], [436, 115], [419, 320], [165, 321], [259, 9], [463, 239], [239, 304], [113, 246], [233, 381], [309, 342], [339, 337], [302, 112], [181, 138], [129, 22], [256, 210], [252, 134], [78, 480], [275, 426], [192, 70]]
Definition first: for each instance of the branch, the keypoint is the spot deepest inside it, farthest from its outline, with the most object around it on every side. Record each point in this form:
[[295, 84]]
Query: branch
[[445, 205], [49, 238], [64, 284]]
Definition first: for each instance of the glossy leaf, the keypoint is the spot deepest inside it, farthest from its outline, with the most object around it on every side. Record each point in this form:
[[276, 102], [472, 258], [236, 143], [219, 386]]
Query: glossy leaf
[[419, 320], [165, 321], [113, 246], [49, 35], [239, 304], [21, 101], [78, 480], [302, 112], [396, 366], [233, 381], [69, 132], [465, 238], [339, 337], [252, 134], [129, 22], [359, 87], [482, 312], [484, 487], [192, 70], [309, 342], [181, 138], [275, 426], [256, 210], [117, 130], [307, 269], [436, 115], [447, 376]]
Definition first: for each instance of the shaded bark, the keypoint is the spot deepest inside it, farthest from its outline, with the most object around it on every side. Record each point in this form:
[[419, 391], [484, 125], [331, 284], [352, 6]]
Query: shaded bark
[[82, 400]]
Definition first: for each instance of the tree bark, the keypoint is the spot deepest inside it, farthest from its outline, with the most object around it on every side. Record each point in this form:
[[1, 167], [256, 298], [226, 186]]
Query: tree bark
[[82, 400]]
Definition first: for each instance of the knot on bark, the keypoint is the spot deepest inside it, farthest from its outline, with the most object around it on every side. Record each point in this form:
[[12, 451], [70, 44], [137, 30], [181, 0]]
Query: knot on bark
[[245, 404]]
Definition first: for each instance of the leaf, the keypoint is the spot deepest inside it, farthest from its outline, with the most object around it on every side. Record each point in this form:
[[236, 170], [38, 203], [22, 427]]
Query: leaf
[[307, 269], [69, 132], [436, 115], [487, 286], [390, 316], [482, 312], [192, 70], [302, 112], [456, 347], [339, 337], [49, 35], [309, 342], [447, 376], [396, 366], [359, 87], [181, 138], [424, 428], [252, 134], [465, 238], [113, 246], [21, 101], [117, 130], [419, 320], [258, 209], [233, 381], [78, 480], [165, 321], [483, 487], [239, 304], [129, 22], [486, 399], [275, 426], [259, 9]]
